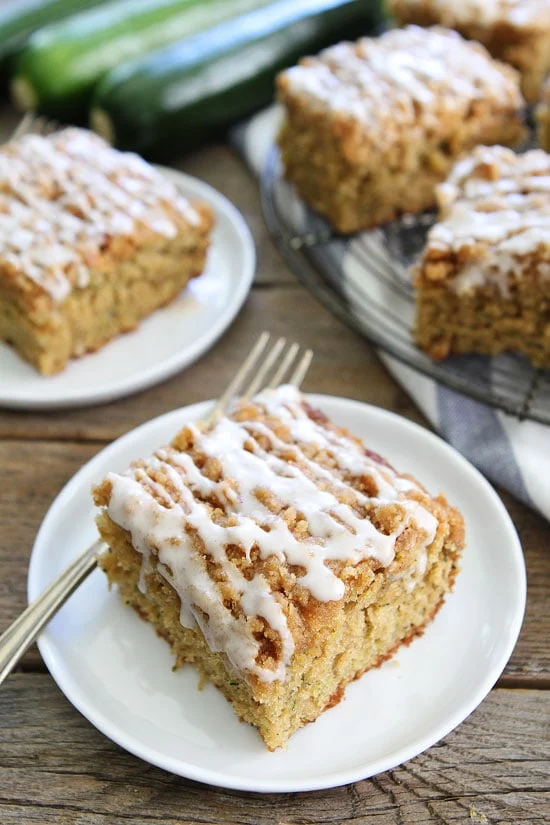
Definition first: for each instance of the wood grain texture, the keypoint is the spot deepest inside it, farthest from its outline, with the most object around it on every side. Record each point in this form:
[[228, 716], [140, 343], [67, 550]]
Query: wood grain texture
[[530, 661], [55, 768], [37, 472], [222, 168]]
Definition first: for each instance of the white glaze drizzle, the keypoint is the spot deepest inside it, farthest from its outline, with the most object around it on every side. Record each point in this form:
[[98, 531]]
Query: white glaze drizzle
[[498, 204], [406, 77], [63, 195], [165, 516]]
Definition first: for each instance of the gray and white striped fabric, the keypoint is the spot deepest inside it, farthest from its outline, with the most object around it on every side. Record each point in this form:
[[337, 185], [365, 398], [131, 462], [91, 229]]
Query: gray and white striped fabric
[[513, 454]]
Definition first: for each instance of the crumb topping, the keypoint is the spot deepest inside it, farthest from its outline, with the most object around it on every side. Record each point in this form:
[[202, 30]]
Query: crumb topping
[[405, 77], [517, 13], [268, 509], [65, 195], [495, 211]]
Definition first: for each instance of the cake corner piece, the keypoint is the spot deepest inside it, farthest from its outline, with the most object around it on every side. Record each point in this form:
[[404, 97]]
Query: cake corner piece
[[93, 241], [517, 33], [482, 281], [278, 555]]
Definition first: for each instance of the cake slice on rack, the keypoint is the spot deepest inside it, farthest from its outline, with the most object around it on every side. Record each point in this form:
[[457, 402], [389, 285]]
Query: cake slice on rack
[[371, 127], [483, 281]]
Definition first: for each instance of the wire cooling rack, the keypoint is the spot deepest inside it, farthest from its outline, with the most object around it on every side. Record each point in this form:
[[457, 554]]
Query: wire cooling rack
[[363, 280]]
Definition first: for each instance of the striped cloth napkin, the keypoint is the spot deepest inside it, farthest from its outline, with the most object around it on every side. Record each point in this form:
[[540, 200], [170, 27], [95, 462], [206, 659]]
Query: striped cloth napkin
[[513, 454]]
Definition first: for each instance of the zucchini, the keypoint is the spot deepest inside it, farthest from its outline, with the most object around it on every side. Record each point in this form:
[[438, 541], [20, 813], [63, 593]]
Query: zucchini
[[58, 68], [178, 97], [18, 20]]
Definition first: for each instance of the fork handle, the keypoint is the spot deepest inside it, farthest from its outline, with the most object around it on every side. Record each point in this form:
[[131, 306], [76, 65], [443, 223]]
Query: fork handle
[[21, 634]]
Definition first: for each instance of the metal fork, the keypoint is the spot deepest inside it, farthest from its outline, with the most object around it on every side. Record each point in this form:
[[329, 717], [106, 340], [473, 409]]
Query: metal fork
[[260, 369], [31, 124]]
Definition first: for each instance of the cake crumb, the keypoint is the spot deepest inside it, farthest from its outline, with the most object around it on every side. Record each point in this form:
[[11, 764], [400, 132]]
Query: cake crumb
[[203, 681]]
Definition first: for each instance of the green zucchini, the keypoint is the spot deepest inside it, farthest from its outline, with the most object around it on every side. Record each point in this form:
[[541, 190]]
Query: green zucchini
[[57, 70], [178, 97], [19, 19]]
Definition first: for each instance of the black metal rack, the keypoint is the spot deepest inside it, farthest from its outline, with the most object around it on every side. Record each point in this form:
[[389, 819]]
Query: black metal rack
[[363, 280]]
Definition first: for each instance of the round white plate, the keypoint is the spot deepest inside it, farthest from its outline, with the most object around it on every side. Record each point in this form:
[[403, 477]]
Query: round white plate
[[117, 672], [166, 342]]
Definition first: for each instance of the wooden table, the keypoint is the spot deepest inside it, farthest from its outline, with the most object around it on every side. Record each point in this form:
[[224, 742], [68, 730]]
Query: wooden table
[[56, 768]]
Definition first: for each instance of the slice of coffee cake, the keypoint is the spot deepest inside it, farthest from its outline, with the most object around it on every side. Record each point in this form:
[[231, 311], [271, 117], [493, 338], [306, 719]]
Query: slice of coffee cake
[[278, 555], [92, 241], [483, 282]]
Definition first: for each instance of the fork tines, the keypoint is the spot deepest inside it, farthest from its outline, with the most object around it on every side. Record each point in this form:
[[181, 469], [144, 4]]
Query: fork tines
[[32, 124], [265, 367]]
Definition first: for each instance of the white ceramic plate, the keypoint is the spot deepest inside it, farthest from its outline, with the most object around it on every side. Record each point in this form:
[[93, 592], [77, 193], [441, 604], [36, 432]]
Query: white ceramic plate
[[117, 672], [166, 342]]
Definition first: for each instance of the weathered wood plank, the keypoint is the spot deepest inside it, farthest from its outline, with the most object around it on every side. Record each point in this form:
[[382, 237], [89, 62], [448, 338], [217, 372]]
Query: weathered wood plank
[[222, 168], [36, 472], [531, 657], [55, 768]]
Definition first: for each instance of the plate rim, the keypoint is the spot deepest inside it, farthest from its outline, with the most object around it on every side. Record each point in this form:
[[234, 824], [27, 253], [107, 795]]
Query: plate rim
[[176, 362], [325, 780]]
